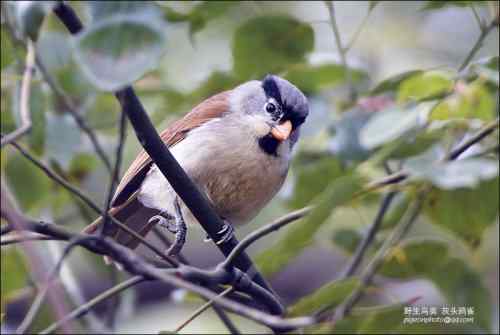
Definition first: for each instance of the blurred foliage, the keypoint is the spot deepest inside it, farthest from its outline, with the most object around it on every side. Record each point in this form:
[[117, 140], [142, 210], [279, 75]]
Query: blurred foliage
[[409, 120]]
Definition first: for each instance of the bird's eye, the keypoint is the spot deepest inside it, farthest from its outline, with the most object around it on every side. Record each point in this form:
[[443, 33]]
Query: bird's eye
[[270, 108]]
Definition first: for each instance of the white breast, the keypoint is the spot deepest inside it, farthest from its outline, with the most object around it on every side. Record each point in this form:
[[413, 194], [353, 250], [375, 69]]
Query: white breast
[[225, 161]]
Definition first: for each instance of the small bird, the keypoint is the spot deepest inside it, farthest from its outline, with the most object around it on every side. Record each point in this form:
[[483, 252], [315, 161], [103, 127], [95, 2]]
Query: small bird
[[236, 146]]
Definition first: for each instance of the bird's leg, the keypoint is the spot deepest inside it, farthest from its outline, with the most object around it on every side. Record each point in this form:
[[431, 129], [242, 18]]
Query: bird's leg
[[181, 230], [174, 224], [226, 233]]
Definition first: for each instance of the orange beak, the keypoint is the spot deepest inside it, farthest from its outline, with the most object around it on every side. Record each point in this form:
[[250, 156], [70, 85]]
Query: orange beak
[[282, 131]]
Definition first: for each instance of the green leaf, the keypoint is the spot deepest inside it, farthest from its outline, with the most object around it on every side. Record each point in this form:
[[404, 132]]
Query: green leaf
[[465, 212], [311, 79], [415, 257], [116, 51], [100, 10], [331, 294], [345, 143], [82, 165], [54, 51], [7, 49], [270, 44], [454, 174], [463, 287], [300, 234], [388, 125], [14, 273], [63, 138], [470, 101], [347, 239], [392, 83], [310, 180], [30, 15], [38, 106], [371, 319], [439, 4], [424, 86], [29, 185], [199, 16]]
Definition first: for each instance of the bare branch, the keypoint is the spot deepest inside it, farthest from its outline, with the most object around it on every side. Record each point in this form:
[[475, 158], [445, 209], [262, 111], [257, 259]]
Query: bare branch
[[263, 231], [116, 172], [479, 43], [341, 49], [25, 98], [200, 310], [370, 235], [367, 275], [42, 292], [83, 309], [89, 202]]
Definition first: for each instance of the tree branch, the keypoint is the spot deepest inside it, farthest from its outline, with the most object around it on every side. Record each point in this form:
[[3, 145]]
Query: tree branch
[[396, 235], [263, 231], [85, 308], [341, 49], [200, 310], [89, 202], [370, 235], [25, 98], [115, 175], [479, 43]]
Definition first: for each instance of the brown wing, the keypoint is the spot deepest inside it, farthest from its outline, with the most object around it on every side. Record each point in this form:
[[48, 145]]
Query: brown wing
[[209, 109]]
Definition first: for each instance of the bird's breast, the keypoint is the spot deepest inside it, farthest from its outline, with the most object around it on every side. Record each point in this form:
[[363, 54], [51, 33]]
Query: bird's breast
[[225, 162]]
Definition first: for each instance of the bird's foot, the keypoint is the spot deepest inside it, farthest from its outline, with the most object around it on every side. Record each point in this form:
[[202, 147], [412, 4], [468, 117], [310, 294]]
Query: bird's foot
[[226, 233], [174, 224]]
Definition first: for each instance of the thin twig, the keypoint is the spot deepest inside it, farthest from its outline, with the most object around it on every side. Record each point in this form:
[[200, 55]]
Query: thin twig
[[370, 235], [24, 109], [263, 231], [485, 131], [358, 31], [89, 202], [479, 43], [81, 310], [115, 175], [367, 275], [480, 22], [220, 313], [70, 107], [200, 310], [21, 238], [341, 49], [42, 292], [399, 176]]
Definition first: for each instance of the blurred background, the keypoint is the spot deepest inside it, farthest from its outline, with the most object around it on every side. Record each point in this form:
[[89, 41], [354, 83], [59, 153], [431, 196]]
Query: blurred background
[[209, 48]]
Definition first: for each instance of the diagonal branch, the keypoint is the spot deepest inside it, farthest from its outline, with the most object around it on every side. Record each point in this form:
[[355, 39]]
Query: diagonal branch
[[25, 98], [89, 202]]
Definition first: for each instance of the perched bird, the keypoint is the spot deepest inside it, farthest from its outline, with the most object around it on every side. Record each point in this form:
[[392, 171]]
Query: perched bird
[[236, 146]]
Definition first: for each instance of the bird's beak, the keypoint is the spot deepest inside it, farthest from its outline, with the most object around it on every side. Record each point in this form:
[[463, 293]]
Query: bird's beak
[[282, 131]]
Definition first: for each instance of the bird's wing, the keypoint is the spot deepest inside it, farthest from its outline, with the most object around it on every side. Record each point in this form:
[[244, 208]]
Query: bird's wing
[[209, 109]]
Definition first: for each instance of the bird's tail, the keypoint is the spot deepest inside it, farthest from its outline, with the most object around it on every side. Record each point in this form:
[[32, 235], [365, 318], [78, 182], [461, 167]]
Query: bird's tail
[[132, 214]]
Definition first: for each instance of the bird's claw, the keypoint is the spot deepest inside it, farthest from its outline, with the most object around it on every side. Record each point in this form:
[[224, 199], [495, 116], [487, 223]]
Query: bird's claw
[[165, 220], [174, 224]]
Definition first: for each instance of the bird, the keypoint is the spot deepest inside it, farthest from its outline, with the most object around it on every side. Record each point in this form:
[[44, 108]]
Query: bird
[[236, 146]]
